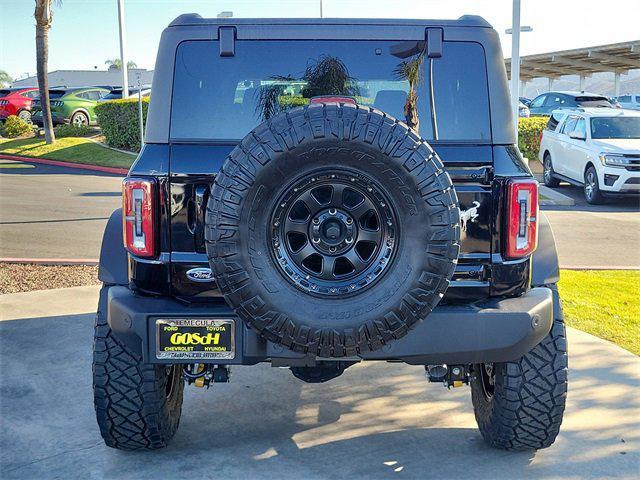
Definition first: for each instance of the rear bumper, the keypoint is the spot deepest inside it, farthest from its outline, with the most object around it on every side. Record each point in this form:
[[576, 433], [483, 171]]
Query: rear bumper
[[492, 331]]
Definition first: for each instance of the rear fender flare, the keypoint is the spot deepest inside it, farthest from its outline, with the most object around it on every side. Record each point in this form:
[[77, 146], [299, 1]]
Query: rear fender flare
[[544, 263], [113, 268]]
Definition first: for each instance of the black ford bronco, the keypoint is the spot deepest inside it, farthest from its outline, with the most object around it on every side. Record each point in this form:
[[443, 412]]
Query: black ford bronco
[[317, 193]]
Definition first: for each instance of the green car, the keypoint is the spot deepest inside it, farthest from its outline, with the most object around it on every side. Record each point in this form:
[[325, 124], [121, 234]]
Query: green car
[[70, 105]]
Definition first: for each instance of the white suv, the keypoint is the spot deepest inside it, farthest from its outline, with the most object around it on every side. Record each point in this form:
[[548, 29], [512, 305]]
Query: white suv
[[597, 148]]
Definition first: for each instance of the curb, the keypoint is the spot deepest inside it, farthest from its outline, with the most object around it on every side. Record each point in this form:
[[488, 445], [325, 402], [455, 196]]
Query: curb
[[52, 261], [591, 267], [58, 163]]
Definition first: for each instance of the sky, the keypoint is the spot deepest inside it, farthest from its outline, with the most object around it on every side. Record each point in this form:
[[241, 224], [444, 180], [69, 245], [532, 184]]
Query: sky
[[85, 32]]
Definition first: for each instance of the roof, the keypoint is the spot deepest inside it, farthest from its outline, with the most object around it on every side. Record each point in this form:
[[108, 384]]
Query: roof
[[577, 93], [190, 19], [614, 57], [601, 112], [610, 112]]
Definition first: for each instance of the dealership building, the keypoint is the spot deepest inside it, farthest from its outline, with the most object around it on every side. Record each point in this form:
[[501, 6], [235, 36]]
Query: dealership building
[[83, 78]]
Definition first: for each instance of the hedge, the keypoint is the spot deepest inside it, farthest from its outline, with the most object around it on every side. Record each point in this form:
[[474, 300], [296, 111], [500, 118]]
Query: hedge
[[119, 122], [529, 130], [15, 127]]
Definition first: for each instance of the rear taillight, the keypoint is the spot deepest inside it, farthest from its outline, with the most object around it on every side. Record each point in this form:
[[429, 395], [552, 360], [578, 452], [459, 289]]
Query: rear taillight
[[522, 218], [138, 216]]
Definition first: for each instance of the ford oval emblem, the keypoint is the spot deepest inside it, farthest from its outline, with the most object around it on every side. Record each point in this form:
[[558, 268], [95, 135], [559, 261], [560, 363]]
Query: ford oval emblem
[[200, 275]]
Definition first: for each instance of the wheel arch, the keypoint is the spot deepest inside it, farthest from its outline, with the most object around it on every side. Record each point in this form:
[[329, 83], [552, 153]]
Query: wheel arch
[[586, 167], [83, 110]]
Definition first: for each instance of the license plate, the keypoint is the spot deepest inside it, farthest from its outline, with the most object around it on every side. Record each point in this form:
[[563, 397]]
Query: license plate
[[195, 339]]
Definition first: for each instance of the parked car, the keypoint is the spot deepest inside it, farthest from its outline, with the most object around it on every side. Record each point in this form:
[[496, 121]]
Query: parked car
[[630, 101], [71, 105], [546, 103], [321, 230], [116, 94], [598, 149], [523, 110], [525, 100], [17, 101], [614, 102]]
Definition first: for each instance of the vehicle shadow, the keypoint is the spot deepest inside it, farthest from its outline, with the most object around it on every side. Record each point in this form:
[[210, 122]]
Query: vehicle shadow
[[376, 420], [619, 203]]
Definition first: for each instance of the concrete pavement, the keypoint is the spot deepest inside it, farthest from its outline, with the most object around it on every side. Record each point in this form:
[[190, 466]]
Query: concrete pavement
[[376, 421], [54, 212]]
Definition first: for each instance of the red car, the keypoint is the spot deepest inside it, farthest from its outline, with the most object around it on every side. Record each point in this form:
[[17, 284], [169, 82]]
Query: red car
[[17, 101]]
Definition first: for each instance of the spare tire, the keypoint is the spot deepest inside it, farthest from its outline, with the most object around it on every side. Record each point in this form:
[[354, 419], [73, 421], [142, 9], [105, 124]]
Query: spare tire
[[332, 229]]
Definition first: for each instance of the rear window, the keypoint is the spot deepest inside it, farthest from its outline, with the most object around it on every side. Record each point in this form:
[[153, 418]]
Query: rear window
[[57, 93], [224, 98], [586, 101]]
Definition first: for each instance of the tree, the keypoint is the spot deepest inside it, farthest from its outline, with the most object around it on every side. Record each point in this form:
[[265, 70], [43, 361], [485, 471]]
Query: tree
[[116, 64], [44, 17], [5, 79], [411, 70]]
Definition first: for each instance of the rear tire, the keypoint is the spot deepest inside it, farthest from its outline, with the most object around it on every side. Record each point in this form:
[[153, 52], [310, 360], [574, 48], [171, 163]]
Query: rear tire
[[519, 405], [80, 119], [549, 179], [25, 115], [138, 405]]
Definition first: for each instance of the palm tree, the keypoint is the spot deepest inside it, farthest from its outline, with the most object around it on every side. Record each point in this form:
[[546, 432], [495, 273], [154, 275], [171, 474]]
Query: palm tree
[[44, 16], [116, 64], [411, 70], [5, 79]]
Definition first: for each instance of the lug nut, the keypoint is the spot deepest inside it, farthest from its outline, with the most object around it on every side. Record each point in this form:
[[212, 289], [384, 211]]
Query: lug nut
[[332, 211], [349, 220], [316, 221], [349, 240], [315, 240], [332, 249]]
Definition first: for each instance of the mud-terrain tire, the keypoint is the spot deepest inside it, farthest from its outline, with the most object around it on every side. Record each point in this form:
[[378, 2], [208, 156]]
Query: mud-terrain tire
[[522, 407], [137, 405], [330, 146]]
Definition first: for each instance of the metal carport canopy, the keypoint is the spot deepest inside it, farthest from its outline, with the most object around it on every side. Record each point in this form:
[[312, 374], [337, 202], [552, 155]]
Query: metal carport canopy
[[615, 57]]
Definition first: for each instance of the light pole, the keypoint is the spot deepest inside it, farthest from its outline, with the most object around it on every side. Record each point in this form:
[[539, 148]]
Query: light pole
[[515, 61], [123, 50]]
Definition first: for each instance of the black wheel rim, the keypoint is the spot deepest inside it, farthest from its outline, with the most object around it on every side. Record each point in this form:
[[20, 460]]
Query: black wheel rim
[[333, 233], [487, 376]]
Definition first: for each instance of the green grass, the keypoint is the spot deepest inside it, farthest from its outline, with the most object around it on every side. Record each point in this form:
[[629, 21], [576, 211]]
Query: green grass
[[603, 303], [69, 149]]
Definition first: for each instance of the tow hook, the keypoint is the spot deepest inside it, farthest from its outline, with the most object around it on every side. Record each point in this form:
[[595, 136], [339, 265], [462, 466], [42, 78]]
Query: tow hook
[[449, 375], [201, 375]]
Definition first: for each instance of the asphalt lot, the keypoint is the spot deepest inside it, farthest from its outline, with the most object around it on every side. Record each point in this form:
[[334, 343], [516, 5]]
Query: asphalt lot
[[54, 212], [378, 420], [605, 235]]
